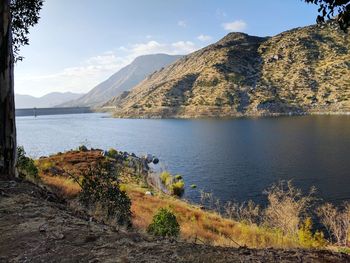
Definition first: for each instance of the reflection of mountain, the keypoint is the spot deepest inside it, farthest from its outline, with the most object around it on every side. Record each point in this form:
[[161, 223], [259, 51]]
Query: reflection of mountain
[[47, 101], [124, 79], [300, 70]]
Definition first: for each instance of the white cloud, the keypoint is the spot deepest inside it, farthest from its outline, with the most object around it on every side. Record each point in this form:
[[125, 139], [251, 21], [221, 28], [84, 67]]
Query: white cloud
[[204, 38], [235, 26], [86, 75], [182, 23], [153, 47]]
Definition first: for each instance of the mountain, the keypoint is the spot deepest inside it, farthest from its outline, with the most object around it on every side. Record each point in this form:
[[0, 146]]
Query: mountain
[[124, 79], [304, 70], [47, 101]]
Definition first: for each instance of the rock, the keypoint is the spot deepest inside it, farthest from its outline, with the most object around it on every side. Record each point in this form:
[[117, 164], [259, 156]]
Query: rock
[[149, 193], [155, 161], [149, 158]]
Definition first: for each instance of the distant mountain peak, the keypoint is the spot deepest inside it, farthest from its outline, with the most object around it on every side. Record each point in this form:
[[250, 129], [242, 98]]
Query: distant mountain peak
[[47, 101], [125, 79]]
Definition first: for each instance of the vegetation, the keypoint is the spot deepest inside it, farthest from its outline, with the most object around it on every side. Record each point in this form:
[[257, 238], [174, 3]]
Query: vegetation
[[330, 8], [175, 184], [100, 187], [25, 165], [229, 224], [17, 16], [337, 222], [164, 224]]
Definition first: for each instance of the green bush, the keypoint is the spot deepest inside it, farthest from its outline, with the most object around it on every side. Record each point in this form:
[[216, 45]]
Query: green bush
[[164, 224], [178, 177], [307, 238], [112, 153], [178, 188], [165, 177], [83, 148], [175, 184], [25, 165], [100, 187]]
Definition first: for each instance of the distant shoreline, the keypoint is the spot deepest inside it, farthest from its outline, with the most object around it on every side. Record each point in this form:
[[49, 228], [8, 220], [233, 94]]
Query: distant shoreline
[[52, 111]]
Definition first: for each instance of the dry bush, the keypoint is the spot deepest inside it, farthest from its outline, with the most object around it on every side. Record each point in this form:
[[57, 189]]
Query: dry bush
[[248, 212], [337, 221], [287, 206]]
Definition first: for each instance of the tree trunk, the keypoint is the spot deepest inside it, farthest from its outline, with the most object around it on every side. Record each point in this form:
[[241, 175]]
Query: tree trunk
[[7, 104]]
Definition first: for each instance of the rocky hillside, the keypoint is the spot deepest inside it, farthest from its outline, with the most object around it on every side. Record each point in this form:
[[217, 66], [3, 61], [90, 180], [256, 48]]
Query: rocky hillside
[[304, 70], [47, 101], [124, 79]]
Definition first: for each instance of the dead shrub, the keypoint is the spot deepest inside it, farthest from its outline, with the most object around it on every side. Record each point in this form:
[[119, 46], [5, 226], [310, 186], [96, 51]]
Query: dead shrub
[[287, 207]]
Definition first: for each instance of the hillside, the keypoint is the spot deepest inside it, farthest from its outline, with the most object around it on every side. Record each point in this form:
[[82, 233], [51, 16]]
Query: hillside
[[47, 101], [304, 70], [36, 227], [124, 79]]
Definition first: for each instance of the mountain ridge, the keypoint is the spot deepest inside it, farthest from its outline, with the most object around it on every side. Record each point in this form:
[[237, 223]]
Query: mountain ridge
[[124, 79], [49, 100], [302, 70]]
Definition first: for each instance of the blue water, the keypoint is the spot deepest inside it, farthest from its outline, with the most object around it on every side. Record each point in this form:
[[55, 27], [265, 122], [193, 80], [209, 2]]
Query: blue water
[[235, 159]]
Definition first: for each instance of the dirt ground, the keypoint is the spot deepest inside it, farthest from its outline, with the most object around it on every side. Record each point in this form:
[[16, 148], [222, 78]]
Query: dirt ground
[[37, 227]]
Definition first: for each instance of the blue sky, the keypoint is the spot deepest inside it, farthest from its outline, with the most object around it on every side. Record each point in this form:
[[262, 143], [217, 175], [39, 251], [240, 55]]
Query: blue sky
[[79, 43]]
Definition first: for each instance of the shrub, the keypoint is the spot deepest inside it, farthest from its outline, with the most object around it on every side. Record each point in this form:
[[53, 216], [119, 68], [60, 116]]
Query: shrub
[[336, 221], [307, 238], [178, 177], [112, 153], [165, 177], [25, 165], [164, 224], [100, 187], [287, 206], [178, 188], [83, 148], [174, 184]]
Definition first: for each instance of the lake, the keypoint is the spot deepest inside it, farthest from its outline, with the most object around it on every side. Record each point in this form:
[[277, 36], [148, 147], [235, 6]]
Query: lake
[[235, 159]]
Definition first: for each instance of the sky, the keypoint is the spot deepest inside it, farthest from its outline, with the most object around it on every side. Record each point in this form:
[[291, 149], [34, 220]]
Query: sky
[[79, 43]]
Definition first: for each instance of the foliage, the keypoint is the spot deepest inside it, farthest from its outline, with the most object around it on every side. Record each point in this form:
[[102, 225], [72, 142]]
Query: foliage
[[331, 8], [112, 153], [287, 206], [100, 187], [25, 165], [25, 14], [164, 224], [175, 184], [82, 148], [247, 212], [165, 177], [336, 221], [177, 188], [307, 238]]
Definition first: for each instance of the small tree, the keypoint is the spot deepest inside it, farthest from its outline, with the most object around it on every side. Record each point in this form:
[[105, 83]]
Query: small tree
[[164, 224], [100, 187], [25, 165]]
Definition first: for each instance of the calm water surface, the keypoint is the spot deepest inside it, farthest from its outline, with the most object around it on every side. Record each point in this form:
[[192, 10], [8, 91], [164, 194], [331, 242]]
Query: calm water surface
[[236, 159]]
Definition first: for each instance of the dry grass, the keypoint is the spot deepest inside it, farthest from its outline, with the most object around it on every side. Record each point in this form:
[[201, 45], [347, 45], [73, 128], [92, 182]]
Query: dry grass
[[197, 225], [62, 186]]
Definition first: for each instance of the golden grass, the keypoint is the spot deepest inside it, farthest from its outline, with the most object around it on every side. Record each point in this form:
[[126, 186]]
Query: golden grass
[[62, 186], [202, 226], [197, 225]]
